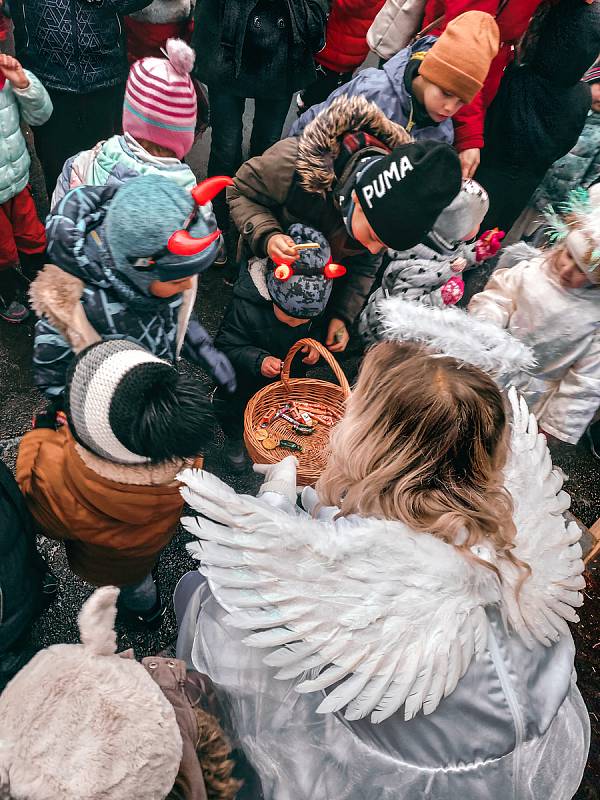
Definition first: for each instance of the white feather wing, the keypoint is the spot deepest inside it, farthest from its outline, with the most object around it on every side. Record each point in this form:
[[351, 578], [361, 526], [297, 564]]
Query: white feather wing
[[385, 616], [545, 540]]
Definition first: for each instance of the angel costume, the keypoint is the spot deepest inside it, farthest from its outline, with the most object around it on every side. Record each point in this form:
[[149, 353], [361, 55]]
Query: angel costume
[[360, 660]]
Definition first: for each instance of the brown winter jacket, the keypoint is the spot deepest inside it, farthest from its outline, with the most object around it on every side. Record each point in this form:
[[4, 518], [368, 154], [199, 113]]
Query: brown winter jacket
[[205, 769], [115, 519], [295, 181]]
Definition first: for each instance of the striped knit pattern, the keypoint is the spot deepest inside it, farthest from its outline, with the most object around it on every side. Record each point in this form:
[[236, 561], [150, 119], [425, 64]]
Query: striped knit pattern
[[592, 75], [160, 105], [104, 390]]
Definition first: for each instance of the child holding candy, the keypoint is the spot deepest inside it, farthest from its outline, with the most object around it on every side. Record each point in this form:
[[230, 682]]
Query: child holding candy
[[273, 307]]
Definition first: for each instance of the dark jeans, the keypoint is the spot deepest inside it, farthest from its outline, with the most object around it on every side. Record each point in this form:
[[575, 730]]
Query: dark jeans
[[77, 123], [226, 117]]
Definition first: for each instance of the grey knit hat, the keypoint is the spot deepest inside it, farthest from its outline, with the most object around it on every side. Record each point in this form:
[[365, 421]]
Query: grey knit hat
[[106, 390], [464, 213], [305, 294]]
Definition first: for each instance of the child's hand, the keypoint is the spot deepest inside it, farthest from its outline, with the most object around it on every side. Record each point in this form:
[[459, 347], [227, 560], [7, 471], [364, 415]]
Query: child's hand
[[271, 367], [280, 248], [312, 355], [337, 336], [469, 161], [13, 71]]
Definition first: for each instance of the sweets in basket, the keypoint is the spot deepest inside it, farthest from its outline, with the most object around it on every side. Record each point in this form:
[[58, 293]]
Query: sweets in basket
[[295, 416]]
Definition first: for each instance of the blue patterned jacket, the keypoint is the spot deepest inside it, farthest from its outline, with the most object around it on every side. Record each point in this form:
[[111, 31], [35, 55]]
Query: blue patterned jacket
[[73, 45]]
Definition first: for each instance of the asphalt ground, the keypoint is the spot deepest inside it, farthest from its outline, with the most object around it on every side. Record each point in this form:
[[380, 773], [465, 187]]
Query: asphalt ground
[[20, 400]]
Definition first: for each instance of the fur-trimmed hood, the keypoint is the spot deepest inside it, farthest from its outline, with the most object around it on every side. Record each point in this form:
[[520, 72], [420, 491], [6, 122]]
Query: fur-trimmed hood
[[321, 141]]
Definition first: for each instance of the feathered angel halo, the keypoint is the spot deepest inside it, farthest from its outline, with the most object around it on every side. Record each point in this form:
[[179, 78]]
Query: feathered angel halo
[[452, 332], [576, 222]]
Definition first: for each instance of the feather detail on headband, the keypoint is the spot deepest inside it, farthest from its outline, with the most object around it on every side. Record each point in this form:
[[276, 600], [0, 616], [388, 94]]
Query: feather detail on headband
[[452, 332], [577, 223]]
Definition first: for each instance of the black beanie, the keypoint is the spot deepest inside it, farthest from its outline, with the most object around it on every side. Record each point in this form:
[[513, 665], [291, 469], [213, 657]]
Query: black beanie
[[404, 193]]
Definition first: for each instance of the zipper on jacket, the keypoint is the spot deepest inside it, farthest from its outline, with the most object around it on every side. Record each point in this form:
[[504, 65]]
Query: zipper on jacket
[[74, 31], [25, 26], [513, 705]]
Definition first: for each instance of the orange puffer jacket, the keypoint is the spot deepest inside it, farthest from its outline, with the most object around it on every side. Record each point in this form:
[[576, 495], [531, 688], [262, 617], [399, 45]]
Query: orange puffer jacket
[[115, 519]]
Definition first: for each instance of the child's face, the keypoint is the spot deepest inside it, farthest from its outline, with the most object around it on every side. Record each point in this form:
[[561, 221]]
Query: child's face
[[595, 87], [570, 275], [439, 104], [362, 230], [293, 322], [170, 288]]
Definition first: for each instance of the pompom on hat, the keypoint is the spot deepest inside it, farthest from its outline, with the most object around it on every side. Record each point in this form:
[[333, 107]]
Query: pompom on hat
[[110, 387], [160, 99], [82, 723]]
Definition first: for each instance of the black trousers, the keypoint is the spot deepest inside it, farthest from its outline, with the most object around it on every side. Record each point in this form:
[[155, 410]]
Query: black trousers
[[226, 118], [326, 82], [77, 123]]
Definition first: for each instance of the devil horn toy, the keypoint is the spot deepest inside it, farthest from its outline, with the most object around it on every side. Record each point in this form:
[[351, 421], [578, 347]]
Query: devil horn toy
[[181, 243], [210, 188], [333, 271]]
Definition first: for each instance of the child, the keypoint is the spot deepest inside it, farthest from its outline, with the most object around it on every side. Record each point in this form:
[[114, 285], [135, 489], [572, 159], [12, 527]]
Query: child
[[430, 272], [551, 301], [266, 316], [340, 177], [427, 83], [159, 121], [22, 238], [148, 30], [120, 272], [105, 483], [100, 725], [422, 592]]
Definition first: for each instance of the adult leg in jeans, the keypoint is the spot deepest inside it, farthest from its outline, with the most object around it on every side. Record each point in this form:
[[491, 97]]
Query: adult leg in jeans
[[269, 117], [77, 123], [226, 112]]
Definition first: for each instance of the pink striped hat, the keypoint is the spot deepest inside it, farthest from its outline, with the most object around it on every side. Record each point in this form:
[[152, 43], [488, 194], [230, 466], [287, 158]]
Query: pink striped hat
[[160, 99], [592, 75]]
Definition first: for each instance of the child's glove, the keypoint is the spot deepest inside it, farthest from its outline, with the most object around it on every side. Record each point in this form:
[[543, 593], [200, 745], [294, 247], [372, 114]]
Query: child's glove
[[488, 244], [199, 347], [279, 478], [452, 291]]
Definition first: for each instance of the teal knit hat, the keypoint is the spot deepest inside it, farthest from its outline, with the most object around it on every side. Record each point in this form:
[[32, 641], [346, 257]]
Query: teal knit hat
[[144, 213]]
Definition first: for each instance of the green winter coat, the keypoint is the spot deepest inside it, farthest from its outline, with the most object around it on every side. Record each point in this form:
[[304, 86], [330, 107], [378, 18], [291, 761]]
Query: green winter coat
[[34, 107], [580, 167]]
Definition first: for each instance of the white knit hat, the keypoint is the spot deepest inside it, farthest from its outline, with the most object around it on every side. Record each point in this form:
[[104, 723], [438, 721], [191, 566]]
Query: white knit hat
[[81, 723]]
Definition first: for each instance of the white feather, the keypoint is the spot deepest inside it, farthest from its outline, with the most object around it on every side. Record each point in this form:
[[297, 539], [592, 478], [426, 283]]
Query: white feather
[[385, 617], [544, 540], [454, 333]]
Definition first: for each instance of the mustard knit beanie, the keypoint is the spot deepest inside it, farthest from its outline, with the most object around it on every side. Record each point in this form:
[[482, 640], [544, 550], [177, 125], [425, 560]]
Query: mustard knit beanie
[[460, 59]]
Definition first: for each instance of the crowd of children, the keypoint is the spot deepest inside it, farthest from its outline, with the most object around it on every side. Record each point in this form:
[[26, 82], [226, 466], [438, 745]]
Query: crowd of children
[[364, 220]]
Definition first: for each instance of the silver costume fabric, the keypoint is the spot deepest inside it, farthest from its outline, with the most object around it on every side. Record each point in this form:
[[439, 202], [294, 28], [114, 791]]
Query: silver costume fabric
[[515, 728], [562, 326]]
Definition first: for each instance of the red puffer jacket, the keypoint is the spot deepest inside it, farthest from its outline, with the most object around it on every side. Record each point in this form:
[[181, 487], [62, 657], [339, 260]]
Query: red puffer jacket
[[346, 35], [513, 22]]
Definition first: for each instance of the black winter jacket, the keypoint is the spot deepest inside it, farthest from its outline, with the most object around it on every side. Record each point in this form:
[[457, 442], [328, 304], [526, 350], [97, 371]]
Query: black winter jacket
[[21, 570], [250, 332], [258, 48], [73, 45]]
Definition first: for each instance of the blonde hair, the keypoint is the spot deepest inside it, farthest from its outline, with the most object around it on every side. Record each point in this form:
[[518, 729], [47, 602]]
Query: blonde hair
[[424, 441]]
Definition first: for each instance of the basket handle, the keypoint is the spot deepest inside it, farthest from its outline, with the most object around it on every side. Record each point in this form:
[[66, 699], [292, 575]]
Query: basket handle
[[324, 352]]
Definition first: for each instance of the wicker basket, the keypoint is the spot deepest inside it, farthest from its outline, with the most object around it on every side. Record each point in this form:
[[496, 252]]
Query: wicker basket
[[313, 458]]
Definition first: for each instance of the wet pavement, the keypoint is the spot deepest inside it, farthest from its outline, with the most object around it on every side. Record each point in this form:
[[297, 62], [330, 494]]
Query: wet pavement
[[20, 401]]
